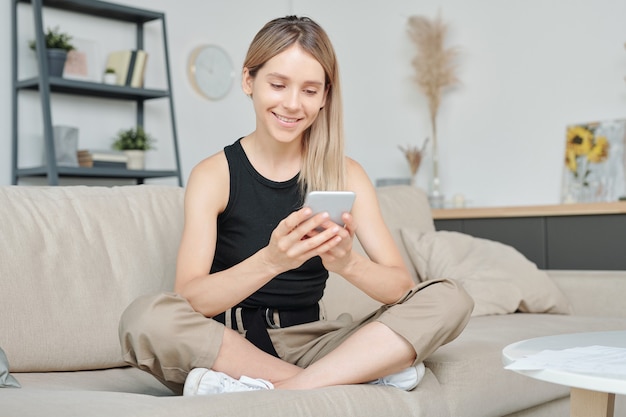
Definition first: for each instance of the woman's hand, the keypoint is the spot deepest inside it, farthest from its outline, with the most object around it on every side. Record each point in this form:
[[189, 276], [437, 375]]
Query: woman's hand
[[338, 258], [299, 237]]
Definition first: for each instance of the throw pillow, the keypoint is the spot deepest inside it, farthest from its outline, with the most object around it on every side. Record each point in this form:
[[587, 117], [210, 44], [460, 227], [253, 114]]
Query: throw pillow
[[6, 379], [498, 277]]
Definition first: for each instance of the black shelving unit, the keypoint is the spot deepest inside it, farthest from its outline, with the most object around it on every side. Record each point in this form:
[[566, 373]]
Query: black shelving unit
[[46, 85]]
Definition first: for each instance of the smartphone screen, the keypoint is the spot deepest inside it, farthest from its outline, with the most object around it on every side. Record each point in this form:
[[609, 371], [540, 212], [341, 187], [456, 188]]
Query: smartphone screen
[[334, 202]]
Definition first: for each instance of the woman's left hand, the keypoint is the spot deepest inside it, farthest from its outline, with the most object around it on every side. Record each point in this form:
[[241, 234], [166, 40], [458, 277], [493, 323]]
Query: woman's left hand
[[339, 257]]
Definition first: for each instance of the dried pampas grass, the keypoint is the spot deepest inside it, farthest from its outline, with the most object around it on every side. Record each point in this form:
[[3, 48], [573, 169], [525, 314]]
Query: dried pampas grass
[[414, 156], [435, 65]]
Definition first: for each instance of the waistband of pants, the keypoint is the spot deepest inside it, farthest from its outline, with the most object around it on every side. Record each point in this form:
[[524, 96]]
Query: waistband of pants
[[243, 318]]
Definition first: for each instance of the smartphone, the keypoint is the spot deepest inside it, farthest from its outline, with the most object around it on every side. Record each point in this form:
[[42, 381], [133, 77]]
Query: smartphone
[[335, 203]]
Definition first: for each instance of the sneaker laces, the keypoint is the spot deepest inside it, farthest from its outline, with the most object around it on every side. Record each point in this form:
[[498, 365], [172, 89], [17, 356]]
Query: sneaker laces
[[254, 383]]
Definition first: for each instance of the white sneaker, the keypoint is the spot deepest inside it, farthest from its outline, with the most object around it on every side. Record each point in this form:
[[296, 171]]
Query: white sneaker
[[406, 380], [203, 381]]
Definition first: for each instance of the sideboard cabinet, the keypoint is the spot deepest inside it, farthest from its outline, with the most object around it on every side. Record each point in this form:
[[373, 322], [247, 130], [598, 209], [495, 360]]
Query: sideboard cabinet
[[569, 236]]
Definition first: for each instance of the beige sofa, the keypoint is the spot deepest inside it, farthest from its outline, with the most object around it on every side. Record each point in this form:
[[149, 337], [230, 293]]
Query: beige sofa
[[72, 258]]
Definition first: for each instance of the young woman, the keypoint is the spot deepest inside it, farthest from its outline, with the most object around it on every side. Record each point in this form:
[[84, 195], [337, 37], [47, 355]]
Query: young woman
[[253, 262]]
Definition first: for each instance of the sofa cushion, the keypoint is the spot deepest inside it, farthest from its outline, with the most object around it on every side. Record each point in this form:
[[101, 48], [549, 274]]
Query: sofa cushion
[[499, 278], [127, 379], [405, 206], [73, 259], [98, 394], [470, 368], [592, 293]]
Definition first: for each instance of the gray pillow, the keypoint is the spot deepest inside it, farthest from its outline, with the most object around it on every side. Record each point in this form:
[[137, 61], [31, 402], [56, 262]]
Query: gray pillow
[[6, 379]]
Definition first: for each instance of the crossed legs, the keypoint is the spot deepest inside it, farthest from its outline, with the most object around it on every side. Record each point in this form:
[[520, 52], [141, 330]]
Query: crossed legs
[[371, 352], [163, 335]]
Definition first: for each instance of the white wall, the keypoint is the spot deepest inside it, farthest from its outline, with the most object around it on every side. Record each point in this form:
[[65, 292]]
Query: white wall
[[527, 68]]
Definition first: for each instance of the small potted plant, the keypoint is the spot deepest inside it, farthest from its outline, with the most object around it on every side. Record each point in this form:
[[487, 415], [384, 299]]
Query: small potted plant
[[58, 44], [109, 76], [134, 142]]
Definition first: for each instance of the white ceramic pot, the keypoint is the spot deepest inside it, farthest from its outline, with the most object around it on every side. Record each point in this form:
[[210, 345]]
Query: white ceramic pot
[[135, 159], [109, 78]]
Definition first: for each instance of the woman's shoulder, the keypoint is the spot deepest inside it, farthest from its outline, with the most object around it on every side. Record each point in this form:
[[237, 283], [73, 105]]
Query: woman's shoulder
[[355, 172], [211, 166], [209, 181], [352, 164], [216, 164]]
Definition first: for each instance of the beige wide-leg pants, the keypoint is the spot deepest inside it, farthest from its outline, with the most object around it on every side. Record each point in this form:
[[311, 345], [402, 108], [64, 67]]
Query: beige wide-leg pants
[[163, 335]]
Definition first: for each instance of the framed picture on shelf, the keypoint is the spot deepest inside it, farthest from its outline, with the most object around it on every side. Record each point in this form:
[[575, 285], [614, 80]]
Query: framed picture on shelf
[[595, 162], [84, 61]]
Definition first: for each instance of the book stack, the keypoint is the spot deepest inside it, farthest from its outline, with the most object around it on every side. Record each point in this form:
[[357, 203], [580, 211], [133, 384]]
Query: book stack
[[129, 66], [109, 159], [102, 159]]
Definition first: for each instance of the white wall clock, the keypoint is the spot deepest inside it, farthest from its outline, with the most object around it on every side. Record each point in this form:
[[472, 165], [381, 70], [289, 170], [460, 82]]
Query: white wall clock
[[211, 71]]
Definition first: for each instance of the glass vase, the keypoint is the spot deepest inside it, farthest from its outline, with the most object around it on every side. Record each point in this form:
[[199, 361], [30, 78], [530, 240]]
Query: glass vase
[[435, 196]]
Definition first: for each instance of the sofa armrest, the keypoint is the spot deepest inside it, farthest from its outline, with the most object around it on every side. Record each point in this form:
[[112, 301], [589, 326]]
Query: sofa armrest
[[593, 293]]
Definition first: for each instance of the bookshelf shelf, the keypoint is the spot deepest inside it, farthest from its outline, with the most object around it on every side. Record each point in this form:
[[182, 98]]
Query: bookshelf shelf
[[103, 9], [86, 88], [45, 85], [138, 175]]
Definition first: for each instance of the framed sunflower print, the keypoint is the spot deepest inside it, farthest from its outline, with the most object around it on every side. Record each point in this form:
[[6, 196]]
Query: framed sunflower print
[[595, 162]]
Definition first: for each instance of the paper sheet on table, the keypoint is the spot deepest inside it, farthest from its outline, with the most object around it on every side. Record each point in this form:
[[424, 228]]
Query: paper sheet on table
[[605, 360]]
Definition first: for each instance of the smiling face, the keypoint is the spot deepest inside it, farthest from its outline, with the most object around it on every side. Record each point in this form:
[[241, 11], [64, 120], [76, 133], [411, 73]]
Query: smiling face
[[288, 92]]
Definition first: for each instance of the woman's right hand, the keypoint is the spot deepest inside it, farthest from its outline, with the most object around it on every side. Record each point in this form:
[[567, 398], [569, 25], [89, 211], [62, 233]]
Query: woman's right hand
[[298, 238]]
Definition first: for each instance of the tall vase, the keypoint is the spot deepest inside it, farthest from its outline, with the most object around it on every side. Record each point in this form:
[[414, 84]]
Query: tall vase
[[435, 196]]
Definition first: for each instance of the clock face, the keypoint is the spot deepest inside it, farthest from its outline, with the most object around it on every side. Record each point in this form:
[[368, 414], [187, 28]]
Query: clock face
[[211, 71]]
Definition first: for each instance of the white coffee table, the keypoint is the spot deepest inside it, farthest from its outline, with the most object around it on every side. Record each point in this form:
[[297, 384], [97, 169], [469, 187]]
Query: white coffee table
[[592, 395]]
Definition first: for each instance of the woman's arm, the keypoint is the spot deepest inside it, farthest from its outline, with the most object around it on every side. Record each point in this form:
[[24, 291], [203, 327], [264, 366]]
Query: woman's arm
[[206, 196], [382, 274]]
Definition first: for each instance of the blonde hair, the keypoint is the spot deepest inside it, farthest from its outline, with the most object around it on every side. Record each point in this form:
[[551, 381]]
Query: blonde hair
[[323, 162]]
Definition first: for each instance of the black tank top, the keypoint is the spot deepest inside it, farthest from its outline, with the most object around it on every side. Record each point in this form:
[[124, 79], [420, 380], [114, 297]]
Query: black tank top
[[255, 207]]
